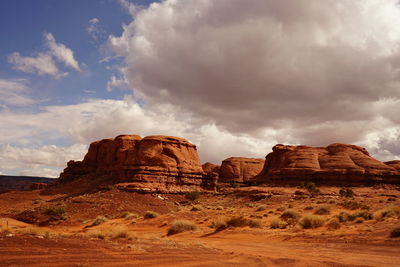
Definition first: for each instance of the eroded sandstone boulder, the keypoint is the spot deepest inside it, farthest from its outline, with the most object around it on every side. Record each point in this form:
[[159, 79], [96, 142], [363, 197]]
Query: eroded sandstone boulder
[[237, 169], [151, 164], [335, 164]]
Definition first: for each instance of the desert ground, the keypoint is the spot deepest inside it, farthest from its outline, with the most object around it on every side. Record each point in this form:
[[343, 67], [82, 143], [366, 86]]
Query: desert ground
[[238, 226]]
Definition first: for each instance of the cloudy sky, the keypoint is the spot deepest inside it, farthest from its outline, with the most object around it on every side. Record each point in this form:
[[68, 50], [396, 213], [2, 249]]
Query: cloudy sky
[[234, 77]]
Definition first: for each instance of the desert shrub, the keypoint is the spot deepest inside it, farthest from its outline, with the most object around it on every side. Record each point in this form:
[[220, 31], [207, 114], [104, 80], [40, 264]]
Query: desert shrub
[[395, 232], [129, 215], [36, 231], [99, 220], [195, 208], [242, 222], [111, 232], [390, 199], [344, 217], [332, 201], [54, 211], [290, 214], [219, 225], [333, 223], [346, 192], [388, 212], [322, 210], [180, 226], [310, 187], [353, 205], [308, 208], [311, 221], [150, 214], [359, 220], [192, 196], [365, 214], [280, 209], [261, 208], [278, 224]]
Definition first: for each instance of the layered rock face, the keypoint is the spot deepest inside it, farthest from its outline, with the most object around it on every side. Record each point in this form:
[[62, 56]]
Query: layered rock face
[[153, 163], [334, 164], [240, 170], [394, 163]]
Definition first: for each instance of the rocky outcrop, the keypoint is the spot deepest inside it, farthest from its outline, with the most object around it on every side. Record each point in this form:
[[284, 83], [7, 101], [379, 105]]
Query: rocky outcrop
[[151, 164], [334, 164], [394, 163], [240, 170]]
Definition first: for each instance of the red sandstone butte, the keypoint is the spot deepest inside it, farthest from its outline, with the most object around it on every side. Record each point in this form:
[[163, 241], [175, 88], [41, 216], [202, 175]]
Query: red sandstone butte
[[394, 163], [236, 169], [149, 164], [336, 164]]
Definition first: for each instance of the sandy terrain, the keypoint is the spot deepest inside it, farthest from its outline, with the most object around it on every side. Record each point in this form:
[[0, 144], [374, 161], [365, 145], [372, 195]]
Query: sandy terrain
[[72, 241]]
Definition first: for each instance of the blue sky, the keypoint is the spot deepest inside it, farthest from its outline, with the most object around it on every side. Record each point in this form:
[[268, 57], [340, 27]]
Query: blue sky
[[234, 77]]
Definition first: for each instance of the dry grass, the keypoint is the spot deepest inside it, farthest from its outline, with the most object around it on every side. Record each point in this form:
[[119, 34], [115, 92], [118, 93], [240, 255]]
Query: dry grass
[[278, 224], [333, 224], [113, 232], [243, 222], [150, 215], [129, 215], [180, 226], [290, 214], [219, 225], [311, 221], [322, 210], [36, 231], [387, 212]]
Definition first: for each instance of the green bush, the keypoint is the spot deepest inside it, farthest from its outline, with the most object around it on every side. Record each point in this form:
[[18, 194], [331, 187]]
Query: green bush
[[310, 187], [180, 226], [346, 192], [311, 221], [192, 196], [150, 215]]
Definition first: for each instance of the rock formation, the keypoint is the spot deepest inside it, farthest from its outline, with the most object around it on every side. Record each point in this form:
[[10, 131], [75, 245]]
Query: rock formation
[[151, 164], [394, 163], [334, 164], [240, 170]]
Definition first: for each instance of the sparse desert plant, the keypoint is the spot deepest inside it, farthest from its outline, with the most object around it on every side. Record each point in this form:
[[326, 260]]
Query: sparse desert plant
[[150, 214], [333, 223], [387, 212], [129, 215], [111, 232], [242, 222], [365, 214], [54, 211], [280, 209], [322, 210], [36, 231], [311, 221], [344, 217], [219, 225], [353, 205], [180, 226], [192, 196], [261, 208], [99, 220], [346, 192], [195, 208], [332, 201], [310, 187], [278, 224], [359, 220], [308, 208], [290, 214], [395, 232], [390, 199]]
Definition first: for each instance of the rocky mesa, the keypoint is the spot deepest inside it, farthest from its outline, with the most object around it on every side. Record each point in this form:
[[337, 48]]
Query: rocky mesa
[[150, 164], [335, 164], [239, 169]]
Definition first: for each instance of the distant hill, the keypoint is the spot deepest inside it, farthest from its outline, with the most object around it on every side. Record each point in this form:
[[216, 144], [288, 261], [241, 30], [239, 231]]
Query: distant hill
[[9, 183]]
